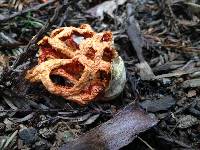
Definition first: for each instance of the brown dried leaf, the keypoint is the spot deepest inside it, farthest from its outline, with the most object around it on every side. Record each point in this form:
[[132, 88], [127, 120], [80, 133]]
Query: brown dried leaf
[[115, 133]]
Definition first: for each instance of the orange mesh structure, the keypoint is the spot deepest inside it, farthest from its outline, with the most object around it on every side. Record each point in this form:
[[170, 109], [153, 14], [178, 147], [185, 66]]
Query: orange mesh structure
[[80, 56]]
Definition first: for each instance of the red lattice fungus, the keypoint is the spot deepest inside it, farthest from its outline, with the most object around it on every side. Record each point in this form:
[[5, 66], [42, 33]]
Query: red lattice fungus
[[80, 58]]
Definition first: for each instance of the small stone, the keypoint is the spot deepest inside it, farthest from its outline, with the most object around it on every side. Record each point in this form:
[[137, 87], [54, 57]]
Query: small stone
[[41, 145], [145, 71], [65, 136], [2, 127], [28, 135], [42, 117], [10, 126], [182, 101], [191, 93], [46, 133], [166, 81], [2, 114], [187, 121], [77, 127]]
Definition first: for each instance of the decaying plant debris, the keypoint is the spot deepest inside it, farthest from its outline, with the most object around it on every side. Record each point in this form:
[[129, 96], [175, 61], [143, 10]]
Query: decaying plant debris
[[117, 132], [159, 43]]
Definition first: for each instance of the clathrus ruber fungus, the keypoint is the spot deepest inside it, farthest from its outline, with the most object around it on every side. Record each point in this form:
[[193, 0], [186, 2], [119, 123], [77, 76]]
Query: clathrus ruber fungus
[[85, 61]]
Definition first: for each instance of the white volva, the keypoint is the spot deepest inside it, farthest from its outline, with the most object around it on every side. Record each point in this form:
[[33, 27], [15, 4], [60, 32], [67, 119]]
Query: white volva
[[118, 79]]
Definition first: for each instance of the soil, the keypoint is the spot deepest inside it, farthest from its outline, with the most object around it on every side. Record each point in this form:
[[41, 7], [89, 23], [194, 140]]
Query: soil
[[159, 43]]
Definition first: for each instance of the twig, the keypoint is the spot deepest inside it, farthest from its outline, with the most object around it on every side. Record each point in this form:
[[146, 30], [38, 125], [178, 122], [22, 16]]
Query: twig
[[151, 148], [31, 110], [35, 8], [180, 143], [137, 41], [63, 19], [27, 53], [10, 139], [134, 34], [183, 48], [188, 105], [134, 87], [178, 73]]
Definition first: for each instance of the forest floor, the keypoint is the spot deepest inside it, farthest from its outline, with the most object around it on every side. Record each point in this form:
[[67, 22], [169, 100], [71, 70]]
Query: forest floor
[[160, 44]]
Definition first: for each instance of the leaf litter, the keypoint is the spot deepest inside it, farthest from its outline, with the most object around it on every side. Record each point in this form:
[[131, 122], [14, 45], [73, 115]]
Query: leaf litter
[[161, 57]]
